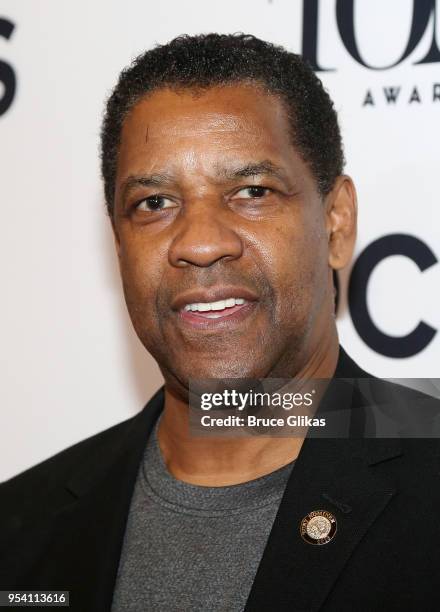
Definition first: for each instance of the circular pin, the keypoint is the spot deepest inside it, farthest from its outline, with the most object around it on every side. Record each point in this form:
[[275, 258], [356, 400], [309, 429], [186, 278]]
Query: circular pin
[[318, 527]]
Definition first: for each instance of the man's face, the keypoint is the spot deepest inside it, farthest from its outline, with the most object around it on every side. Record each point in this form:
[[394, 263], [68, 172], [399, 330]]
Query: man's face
[[221, 236]]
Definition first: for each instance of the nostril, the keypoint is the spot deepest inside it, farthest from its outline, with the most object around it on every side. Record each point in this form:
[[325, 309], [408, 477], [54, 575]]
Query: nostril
[[204, 235], [204, 250]]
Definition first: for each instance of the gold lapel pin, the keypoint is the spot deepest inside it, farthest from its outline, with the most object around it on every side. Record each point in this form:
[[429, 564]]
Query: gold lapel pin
[[318, 527]]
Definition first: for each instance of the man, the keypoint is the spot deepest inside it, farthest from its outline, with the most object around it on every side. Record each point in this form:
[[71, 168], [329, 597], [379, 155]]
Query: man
[[223, 171]]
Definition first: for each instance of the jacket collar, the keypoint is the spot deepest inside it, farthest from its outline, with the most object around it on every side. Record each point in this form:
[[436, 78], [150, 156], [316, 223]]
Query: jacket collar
[[128, 448]]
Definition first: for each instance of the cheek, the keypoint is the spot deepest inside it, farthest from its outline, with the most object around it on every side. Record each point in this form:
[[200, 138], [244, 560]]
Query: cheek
[[141, 273], [297, 265]]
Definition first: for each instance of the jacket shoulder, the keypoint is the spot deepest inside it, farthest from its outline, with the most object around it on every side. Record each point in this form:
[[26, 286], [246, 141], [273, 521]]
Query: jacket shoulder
[[39, 480]]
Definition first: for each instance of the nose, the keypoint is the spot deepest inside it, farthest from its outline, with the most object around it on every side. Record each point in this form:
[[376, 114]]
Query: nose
[[204, 236]]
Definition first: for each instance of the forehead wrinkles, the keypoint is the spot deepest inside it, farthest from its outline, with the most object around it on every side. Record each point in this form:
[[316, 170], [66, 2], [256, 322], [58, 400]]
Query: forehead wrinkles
[[207, 151], [170, 132], [186, 138], [194, 124]]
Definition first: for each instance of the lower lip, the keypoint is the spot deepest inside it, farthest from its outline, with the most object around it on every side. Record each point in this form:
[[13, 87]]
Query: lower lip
[[223, 318]]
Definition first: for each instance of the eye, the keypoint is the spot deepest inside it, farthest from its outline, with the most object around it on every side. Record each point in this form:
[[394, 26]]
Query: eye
[[155, 202], [253, 191]]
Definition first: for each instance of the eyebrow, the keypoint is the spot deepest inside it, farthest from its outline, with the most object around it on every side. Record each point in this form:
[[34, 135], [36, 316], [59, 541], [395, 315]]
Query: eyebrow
[[250, 169], [147, 180], [265, 167]]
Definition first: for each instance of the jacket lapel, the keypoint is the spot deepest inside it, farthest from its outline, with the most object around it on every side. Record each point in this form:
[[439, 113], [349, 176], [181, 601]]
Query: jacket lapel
[[335, 475], [101, 515], [331, 475], [76, 545]]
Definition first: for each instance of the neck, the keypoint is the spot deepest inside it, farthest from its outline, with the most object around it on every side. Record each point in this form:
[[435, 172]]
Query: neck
[[226, 461]]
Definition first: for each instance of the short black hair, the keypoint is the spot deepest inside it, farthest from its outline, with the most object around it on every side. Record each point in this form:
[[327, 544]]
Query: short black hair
[[209, 60]]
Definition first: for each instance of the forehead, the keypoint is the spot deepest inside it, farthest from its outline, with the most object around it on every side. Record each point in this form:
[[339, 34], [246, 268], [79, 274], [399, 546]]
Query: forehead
[[208, 127]]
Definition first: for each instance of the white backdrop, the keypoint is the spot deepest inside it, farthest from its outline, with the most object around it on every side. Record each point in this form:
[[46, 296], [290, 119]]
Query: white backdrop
[[71, 364]]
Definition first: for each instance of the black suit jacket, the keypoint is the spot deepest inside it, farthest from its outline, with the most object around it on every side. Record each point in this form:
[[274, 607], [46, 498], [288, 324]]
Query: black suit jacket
[[62, 522]]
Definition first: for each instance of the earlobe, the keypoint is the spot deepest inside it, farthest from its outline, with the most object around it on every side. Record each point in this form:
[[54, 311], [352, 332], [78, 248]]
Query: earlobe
[[341, 222]]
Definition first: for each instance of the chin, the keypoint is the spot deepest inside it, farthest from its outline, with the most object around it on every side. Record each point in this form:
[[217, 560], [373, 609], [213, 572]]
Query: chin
[[223, 370]]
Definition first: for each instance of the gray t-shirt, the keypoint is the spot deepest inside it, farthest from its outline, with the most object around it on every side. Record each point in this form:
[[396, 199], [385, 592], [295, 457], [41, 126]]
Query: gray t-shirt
[[193, 548]]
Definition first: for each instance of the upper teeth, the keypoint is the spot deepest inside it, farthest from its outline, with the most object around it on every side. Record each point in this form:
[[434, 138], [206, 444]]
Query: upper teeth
[[220, 305]]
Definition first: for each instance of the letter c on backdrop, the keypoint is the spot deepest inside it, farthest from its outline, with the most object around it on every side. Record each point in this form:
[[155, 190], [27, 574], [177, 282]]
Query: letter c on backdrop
[[390, 346]]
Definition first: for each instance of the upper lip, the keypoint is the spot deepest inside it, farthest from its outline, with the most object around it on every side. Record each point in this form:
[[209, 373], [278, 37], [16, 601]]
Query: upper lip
[[213, 294]]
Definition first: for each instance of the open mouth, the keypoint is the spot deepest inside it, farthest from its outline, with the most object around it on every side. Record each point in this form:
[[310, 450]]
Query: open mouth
[[217, 307], [219, 315], [215, 310]]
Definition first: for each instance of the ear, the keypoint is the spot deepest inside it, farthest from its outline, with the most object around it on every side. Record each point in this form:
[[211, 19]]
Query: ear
[[341, 220]]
